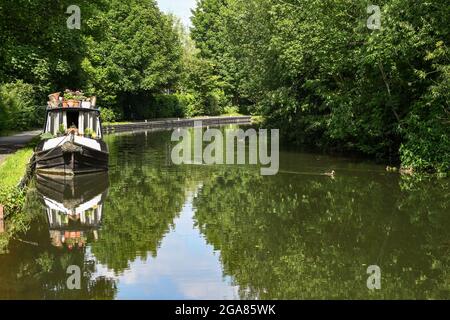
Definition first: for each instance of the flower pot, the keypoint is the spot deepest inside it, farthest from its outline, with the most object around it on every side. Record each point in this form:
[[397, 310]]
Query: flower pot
[[54, 96], [71, 103], [53, 100], [86, 104], [65, 104], [93, 101]]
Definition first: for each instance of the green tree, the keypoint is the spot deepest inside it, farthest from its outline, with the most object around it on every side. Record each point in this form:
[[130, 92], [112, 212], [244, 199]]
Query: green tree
[[314, 69], [136, 56]]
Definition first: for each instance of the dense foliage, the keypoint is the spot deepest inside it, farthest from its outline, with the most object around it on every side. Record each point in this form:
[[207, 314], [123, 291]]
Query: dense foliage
[[313, 68], [38, 54], [18, 107], [134, 57], [310, 67], [126, 53]]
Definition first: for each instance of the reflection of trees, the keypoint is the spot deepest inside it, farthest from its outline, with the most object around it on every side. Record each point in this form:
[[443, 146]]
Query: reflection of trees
[[296, 237], [141, 210], [288, 236], [35, 269], [144, 199]]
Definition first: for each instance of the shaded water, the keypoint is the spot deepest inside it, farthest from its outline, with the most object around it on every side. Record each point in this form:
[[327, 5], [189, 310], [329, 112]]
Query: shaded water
[[151, 230]]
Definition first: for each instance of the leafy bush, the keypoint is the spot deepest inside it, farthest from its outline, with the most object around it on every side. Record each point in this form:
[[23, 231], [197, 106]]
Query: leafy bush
[[167, 106], [231, 110], [18, 109], [187, 103], [216, 102], [108, 115], [12, 199], [203, 104], [427, 138]]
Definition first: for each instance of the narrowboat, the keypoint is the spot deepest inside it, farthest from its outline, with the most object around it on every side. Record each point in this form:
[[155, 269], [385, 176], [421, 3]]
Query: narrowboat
[[72, 142]]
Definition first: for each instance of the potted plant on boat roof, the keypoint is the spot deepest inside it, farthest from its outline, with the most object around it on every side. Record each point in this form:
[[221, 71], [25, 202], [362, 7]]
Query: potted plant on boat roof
[[89, 102], [69, 98], [54, 96], [88, 133], [53, 99], [93, 100], [62, 130], [86, 104], [73, 98]]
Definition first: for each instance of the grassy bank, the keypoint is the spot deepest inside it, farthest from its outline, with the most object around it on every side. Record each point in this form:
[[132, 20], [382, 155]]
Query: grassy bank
[[14, 167], [12, 198]]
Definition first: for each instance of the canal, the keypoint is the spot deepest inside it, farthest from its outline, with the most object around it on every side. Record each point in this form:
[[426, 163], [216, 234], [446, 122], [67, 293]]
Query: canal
[[153, 230]]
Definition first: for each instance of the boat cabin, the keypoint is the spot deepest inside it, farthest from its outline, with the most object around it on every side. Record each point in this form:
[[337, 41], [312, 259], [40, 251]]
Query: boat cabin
[[76, 120], [72, 142]]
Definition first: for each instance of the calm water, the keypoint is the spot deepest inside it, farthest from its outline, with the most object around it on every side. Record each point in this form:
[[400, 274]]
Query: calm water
[[151, 230]]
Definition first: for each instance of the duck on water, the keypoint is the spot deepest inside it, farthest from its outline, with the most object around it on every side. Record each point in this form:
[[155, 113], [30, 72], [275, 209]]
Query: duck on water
[[73, 151]]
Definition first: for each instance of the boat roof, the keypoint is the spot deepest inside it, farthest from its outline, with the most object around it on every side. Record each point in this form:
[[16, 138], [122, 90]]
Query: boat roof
[[73, 109]]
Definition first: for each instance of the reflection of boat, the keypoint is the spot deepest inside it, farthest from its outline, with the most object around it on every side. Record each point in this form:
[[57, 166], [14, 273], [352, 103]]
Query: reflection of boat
[[74, 207], [74, 143]]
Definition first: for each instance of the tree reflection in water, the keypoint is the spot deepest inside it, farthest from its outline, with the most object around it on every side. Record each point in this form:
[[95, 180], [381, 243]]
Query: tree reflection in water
[[67, 215], [296, 235], [304, 236]]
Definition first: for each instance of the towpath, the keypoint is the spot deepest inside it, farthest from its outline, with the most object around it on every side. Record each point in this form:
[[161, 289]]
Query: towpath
[[11, 144]]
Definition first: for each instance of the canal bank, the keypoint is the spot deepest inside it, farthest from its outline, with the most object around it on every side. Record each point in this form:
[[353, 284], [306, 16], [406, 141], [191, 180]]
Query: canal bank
[[16, 153], [175, 123], [15, 172]]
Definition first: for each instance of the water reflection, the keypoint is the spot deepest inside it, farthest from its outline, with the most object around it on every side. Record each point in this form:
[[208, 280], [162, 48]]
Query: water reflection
[[185, 266], [309, 237], [74, 207], [66, 216], [150, 230]]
